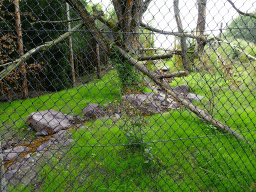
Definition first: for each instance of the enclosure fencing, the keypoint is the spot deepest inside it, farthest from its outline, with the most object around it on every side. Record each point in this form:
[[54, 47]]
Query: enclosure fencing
[[127, 95]]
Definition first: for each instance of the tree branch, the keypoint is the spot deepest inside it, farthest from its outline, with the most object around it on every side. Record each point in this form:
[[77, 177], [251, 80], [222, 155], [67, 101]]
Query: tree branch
[[240, 12], [174, 74], [163, 56], [199, 112], [43, 47], [155, 57], [178, 34], [63, 21], [141, 67], [89, 19]]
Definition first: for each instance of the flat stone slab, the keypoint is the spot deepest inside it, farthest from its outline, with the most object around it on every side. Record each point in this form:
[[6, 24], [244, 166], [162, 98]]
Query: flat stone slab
[[195, 97], [93, 111], [49, 122], [11, 154]]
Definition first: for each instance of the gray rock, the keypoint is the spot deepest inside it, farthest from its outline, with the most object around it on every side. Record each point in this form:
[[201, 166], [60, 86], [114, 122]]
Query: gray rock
[[49, 121], [44, 146], [60, 135], [146, 102], [193, 96], [27, 156], [181, 89], [10, 154], [93, 111]]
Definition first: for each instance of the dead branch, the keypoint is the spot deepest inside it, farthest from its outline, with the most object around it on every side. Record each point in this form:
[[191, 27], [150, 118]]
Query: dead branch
[[178, 34], [240, 12], [42, 48], [155, 57], [174, 74], [199, 112], [163, 56], [152, 75], [63, 21], [89, 19]]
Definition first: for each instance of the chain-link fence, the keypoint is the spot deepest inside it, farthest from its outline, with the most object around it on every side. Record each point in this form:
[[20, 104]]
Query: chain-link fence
[[127, 95]]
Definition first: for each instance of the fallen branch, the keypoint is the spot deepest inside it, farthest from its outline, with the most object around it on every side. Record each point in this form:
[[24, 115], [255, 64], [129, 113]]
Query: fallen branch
[[152, 75], [155, 57], [172, 33], [163, 56], [43, 47], [199, 112], [174, 74]]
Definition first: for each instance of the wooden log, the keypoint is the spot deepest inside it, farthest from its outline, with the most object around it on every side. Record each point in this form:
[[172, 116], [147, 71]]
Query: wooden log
[[174, 74], [155, 57], [3, 184], [152, 75], [183, 100]]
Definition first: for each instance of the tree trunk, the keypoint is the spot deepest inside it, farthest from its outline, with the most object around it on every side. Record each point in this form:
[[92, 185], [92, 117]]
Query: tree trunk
[[71, 55], [129, 16], [183, 44], [200, 28], [23, 69], [98, 61]]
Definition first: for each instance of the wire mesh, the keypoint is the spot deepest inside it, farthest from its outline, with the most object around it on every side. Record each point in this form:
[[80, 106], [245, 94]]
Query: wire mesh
[[127, 95]]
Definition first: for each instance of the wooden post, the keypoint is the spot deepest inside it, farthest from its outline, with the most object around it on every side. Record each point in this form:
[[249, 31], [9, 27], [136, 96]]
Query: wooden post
[[23, 69], [183, 44], [2, 171], [71, 55], [98, 61]]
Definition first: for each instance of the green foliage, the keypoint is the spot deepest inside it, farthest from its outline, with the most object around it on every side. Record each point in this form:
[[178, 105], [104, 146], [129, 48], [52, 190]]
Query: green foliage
[[242, 28]]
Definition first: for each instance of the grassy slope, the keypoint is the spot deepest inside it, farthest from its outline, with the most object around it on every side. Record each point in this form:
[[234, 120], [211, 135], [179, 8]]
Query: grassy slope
[[189, 157]]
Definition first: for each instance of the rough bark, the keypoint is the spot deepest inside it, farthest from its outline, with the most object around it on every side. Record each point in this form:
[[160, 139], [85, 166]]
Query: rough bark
[[98, 61], [2, 171], [20, 50], [183, 44], [129, 13], [200, 28], [71, 55]]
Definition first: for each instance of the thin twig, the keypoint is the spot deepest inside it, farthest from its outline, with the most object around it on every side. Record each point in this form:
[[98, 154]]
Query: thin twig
[[240, 12], [63, 21]]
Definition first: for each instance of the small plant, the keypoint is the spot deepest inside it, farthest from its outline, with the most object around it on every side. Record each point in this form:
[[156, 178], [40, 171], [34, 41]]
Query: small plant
[[134, 139]]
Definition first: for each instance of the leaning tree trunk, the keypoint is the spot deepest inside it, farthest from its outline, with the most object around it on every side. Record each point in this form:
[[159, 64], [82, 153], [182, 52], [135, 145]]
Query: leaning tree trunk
[[183, 44]]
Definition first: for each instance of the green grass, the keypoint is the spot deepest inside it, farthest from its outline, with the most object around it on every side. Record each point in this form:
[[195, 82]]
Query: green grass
[[187, 153], [187, 157], [71, 101]]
